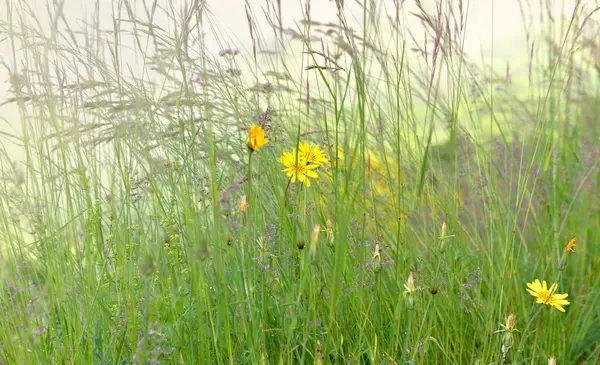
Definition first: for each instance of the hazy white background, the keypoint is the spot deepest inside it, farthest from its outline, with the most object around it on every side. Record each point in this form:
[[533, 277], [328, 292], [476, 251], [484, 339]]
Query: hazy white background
[[494, 28]]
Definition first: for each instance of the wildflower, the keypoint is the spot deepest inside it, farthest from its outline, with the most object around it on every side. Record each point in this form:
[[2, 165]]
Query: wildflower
[[410, 290], [243, 203], [510, 324], [547, 296], [298, 168], [552, 361], [410, 285], [376, 259], [508, 329], [312, 155], [443, 236], [256, 138], [571, 245]]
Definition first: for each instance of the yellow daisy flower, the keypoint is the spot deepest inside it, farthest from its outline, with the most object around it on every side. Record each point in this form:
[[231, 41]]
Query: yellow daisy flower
[[256, 138], [298, 168], [547, 296], [312, 155]]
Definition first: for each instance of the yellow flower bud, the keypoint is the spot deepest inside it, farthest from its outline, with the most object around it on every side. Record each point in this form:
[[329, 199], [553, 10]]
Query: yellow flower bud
[[256, 138]]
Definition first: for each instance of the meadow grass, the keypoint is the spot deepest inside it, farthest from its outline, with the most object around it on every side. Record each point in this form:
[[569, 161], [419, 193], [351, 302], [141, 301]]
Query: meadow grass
[[137, 232]]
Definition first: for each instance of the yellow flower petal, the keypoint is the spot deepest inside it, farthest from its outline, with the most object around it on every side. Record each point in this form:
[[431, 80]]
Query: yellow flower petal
[[256, 138], [297, 167], [547, 296], [571, 245]]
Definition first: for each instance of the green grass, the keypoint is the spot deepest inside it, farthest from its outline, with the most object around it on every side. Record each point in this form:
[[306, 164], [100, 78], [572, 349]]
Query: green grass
[[123, 241]]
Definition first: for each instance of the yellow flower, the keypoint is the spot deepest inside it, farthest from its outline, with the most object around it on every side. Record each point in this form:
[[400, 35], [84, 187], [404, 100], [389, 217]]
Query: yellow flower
[[410, 284], [571, 245], [377, 259], [552, 361], [410, 291], [256, 138], [297, 168], [558, 300], [547, 296], [376, 254], [312, 155]]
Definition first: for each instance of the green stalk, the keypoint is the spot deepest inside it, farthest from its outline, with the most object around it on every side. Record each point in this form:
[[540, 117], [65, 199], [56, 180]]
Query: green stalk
[[249, 200]]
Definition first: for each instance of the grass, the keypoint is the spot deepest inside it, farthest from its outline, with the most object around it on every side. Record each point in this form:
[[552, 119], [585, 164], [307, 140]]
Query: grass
[[123, 236]]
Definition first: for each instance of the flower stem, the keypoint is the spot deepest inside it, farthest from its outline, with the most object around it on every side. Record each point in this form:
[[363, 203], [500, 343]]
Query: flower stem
[[407, 337], [249, 202], [520, 348]]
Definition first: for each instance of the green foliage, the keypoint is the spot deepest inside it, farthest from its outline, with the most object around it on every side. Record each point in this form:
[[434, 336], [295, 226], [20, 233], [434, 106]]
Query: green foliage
[[124, 242]]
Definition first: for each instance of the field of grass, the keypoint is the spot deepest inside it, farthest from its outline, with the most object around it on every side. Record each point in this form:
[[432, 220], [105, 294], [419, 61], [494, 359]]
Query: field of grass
[[149, 224]]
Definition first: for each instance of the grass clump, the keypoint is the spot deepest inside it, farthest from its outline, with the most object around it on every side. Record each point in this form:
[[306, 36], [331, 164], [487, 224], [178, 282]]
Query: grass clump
[[349, 193]]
